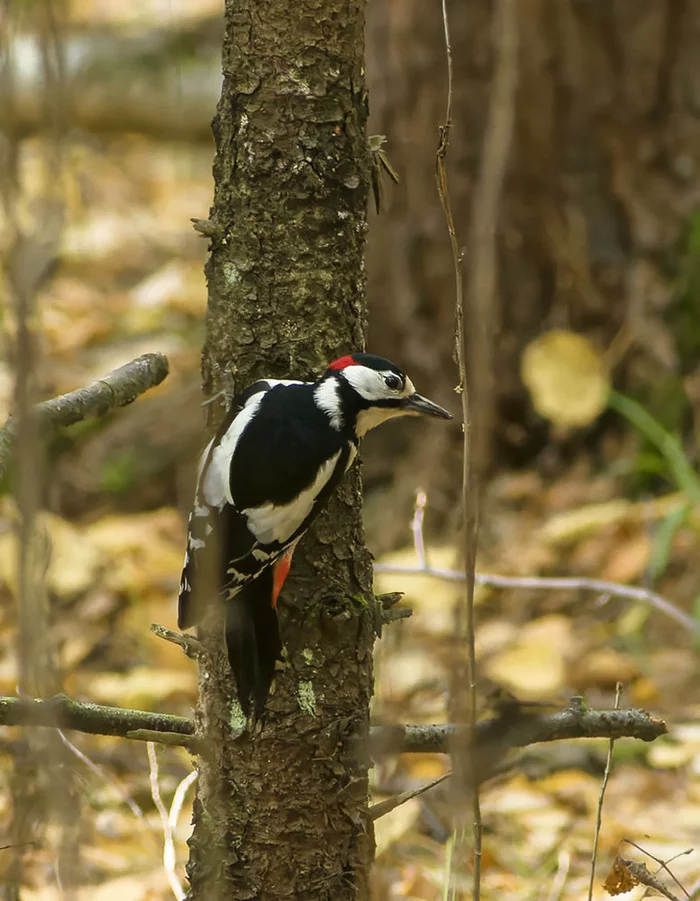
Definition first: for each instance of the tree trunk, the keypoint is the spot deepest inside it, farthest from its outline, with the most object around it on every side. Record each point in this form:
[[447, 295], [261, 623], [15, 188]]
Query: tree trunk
[[282, 812]]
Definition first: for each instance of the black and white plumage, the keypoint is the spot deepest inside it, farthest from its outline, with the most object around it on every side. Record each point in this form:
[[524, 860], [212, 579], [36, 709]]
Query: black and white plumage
[[263, 479]]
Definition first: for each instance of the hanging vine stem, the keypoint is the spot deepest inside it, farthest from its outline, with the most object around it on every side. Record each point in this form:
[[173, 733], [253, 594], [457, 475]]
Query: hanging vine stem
[[474, 334], [465, 614]]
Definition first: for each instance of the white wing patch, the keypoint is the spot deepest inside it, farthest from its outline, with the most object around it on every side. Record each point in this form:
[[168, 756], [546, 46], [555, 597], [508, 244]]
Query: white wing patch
[[328, 399], [273, 382], [216, 488], [278, 523]]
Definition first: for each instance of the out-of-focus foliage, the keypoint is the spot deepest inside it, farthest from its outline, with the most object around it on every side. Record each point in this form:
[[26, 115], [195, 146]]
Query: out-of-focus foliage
[[566, 378]]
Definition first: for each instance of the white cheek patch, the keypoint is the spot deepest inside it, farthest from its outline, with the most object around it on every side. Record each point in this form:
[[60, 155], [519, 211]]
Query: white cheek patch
[[367, 382], [270, 523], [371, 383]]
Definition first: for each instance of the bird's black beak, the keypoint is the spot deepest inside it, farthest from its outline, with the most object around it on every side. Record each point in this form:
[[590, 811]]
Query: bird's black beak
[[418, 404]]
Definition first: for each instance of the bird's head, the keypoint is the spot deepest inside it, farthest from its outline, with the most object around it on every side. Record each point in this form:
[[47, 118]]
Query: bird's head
[[372, 390]]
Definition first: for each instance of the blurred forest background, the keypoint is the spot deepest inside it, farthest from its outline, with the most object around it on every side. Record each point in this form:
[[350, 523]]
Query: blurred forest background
[[106, 155]]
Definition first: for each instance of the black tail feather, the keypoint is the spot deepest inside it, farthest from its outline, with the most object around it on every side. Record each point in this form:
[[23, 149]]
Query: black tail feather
[[253, 641]]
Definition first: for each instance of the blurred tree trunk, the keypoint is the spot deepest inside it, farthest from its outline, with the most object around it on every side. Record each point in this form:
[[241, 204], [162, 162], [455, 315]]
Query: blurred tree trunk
[[282, 813], [602, 185]]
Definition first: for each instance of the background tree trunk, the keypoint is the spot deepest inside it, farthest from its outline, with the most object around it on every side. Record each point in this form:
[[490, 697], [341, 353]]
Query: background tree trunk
[[282, 813], [601, 192]]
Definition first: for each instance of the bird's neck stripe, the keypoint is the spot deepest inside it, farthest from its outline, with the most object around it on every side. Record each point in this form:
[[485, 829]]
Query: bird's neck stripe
[[343, 363], [327, 397]]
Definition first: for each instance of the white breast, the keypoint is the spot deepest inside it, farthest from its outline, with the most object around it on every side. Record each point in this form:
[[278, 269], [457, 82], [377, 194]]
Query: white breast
[[278, 523]]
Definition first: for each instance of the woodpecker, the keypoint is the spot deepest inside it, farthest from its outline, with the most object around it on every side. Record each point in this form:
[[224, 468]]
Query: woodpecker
[[263, 479]]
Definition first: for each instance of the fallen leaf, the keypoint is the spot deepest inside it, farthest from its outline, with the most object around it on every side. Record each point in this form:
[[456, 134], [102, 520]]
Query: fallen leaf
[[566, 378], [619, 879], [535, 665]]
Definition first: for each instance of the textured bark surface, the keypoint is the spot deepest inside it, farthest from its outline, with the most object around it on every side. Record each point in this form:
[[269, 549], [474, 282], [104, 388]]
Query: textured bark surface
[[282, 813]]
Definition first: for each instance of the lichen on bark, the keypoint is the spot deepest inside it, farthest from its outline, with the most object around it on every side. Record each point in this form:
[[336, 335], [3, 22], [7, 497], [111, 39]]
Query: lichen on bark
[[282, 812]]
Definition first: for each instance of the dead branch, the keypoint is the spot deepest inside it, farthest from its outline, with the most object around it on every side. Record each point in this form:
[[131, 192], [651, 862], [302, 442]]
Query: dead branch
[[94, 719], [119, 388], [189, 644], [517, 728]]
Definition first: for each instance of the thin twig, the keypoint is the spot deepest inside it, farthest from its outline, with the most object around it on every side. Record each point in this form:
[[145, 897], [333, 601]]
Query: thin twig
[[470, 488], [601, 798], [417, 526], [169, 857], [560, 877], [98, 771], [546, 583], [179, 798], [382, 808], [663, 864], [189, 644], [172, 739], [490, 580]]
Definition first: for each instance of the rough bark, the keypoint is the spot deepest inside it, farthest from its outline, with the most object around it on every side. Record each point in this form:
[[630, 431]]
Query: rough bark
[[286, 294]]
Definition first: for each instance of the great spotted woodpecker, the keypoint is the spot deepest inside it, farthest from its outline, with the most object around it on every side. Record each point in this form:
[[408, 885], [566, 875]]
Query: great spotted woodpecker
[[280, 452]]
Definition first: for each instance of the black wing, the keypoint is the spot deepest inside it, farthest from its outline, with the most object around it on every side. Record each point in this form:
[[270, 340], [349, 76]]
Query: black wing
[[213, 529]]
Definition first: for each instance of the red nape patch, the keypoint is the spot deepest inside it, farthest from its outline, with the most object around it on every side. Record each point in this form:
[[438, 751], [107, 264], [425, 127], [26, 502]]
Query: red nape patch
[[343, 363]]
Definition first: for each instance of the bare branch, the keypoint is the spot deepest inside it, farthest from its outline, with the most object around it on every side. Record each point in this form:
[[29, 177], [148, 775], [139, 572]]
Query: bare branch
[[546, 583], [119, 388], [191, 647], [520, 730], [95, 719], [381, 808], [470, 509], [514, 730]]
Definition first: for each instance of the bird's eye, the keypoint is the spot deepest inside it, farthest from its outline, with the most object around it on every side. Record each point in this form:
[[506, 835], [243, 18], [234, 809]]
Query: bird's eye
[[393, 382]]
